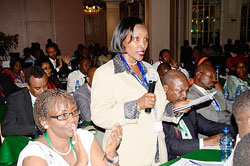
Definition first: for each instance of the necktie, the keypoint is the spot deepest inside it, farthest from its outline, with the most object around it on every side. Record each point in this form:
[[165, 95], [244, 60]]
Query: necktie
[[177, 132]]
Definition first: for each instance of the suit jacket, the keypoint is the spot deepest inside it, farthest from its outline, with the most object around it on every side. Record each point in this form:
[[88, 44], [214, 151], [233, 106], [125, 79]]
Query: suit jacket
[[207, 109], [195, 123], [83, 99], [18, 117], [63, 71], [8, 87]]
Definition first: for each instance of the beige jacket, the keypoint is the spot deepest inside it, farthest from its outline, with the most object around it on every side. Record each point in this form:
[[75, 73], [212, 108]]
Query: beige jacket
[[109, 93]]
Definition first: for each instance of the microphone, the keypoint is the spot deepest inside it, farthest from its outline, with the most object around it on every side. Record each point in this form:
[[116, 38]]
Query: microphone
[[151, 87]]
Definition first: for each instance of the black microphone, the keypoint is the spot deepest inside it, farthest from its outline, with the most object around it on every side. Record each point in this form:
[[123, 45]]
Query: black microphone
[[151, 87]]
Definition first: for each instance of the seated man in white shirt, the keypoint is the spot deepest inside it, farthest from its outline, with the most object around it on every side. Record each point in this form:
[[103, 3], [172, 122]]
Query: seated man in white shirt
[[182, 138], [79, 74], [241, 113], [165, 57]]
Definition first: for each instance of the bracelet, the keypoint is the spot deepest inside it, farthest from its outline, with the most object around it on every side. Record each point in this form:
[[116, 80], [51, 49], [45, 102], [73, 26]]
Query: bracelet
[[113, 160]]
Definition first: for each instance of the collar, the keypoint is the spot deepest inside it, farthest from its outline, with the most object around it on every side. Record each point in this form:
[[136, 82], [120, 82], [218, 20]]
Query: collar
[[89, 88], [52, 60], [120, 67], [32, 57], [202, 90], [237, 139], [33, 99], [80, 73]]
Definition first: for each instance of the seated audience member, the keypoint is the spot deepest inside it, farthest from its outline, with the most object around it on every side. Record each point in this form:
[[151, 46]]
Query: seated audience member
[[83, 96], [239, 76], [165, 57], [79, 75], [53, 82], [62, 144], [15, 72], [204, 60], [6, 87], [60, 65], [191, 64], [182, 138], [242, 152], [82, 52], [104, 57], [204, 80], [18, 116], [241, 113], [186, 52], [162, 69]]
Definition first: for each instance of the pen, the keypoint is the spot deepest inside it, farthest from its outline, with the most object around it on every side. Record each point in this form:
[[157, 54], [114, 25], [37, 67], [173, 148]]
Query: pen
[[194, 162]]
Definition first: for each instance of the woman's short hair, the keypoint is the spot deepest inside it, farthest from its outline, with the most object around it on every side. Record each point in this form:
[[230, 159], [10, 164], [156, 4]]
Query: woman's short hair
[[50, 99], [125, 27], [13, 61]]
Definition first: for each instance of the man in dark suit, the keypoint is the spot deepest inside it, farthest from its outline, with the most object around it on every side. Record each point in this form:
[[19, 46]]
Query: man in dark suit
[[18, 117], [7, 87], [182, 138], [60, 65]]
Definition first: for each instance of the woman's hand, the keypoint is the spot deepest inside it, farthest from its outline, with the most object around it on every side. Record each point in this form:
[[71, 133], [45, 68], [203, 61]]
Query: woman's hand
[[113, 141], [147, 101], [81, 154], [181, 103]]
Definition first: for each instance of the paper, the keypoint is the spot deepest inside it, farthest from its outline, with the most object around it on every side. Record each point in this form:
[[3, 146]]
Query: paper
[[211, 147], [189, 162], [196, 102]]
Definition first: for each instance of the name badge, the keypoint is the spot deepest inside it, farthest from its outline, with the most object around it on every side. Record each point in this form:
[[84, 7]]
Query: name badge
[[158, 126]]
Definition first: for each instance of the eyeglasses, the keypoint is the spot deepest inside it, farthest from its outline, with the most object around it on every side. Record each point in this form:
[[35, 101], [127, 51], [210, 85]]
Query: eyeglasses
[[66, 115], [211, 76]]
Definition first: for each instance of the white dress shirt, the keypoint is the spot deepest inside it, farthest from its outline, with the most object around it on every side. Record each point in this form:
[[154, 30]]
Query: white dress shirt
[[73, 76]]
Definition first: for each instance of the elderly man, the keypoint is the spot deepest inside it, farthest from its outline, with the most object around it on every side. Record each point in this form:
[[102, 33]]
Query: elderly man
[[241, 112], [18, 117], [182, 138], [82, 96], [204, 80]]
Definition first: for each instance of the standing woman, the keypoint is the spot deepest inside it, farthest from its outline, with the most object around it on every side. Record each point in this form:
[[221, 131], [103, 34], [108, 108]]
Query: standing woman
[[120, 95]]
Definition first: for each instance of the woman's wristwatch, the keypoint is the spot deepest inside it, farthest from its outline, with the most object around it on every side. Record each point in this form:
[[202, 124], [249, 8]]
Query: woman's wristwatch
[[113, 160]]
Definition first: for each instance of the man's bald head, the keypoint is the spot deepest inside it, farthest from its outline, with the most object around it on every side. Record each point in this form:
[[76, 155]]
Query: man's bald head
[[175, 85], [162, 69], [205, 76]]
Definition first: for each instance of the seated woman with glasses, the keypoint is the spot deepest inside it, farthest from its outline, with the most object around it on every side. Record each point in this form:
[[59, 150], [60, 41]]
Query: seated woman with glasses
[[238, 77], [56, 114]]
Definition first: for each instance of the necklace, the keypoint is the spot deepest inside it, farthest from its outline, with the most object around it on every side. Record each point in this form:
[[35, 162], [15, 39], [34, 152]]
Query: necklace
[[48, 141], [132, 63]]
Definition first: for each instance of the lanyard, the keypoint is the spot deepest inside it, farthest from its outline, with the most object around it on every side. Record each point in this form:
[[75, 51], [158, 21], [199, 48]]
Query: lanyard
[[136, 76], [19, 79], [214, 103], [48, 141]]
